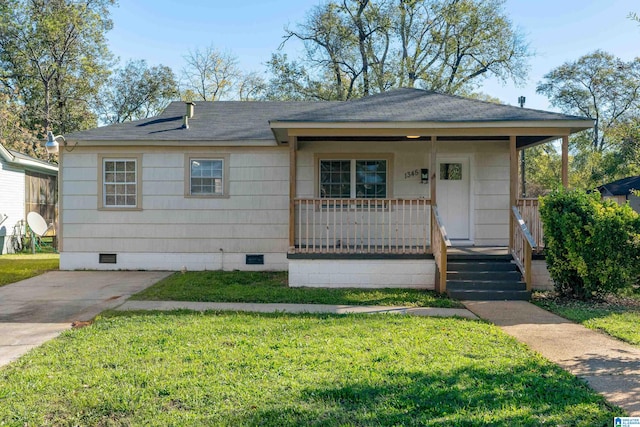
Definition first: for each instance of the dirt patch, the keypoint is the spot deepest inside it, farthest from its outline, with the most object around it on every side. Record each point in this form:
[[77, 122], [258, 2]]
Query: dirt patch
[[609, 302]]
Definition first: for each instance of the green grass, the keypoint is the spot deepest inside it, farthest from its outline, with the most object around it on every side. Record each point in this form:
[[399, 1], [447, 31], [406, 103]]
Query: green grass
[[618, 317], [14, 268], [271, 287], [192, 369]]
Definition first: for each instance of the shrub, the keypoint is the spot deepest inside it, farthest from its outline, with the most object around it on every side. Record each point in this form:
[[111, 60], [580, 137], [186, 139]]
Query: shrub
[[592, 247]]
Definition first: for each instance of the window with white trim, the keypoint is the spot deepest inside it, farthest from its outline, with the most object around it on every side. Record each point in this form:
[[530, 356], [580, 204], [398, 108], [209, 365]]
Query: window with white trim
[[206, 177], [353, 178], [120, 183]]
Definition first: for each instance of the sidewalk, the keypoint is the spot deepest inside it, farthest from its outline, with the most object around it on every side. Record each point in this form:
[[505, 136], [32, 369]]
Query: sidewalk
[[294, 308], [611, 367], [38, 309]]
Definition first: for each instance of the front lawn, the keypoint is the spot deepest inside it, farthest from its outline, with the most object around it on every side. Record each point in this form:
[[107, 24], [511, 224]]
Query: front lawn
[[616, 316], [271, 287], [14, 268], [192, 369]]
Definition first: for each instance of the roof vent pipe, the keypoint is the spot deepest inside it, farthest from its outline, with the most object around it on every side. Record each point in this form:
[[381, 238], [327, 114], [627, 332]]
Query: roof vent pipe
[[185, 122], [190, 108]]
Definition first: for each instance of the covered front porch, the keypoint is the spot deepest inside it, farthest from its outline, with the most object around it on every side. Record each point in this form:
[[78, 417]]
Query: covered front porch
[[391, 197]]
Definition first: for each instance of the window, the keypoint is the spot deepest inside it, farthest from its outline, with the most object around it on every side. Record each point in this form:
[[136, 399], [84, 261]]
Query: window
[[206, 176], [120, 182], [335, 178], [451, 171], [353, 178]]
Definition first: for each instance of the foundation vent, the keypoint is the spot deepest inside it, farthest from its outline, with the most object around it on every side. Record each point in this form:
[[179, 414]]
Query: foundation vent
[[108, 258], [254, 259]]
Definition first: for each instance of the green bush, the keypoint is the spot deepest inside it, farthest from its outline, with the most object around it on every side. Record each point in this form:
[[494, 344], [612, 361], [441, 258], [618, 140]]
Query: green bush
[[592, 247]]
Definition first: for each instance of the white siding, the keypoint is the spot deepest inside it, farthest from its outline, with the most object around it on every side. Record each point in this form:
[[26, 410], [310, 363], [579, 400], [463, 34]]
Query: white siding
[[11, 202], [172, 231], [489, 184], [491, 194]]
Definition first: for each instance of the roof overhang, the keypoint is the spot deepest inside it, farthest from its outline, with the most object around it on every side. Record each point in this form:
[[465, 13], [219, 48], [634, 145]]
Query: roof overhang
[[31, 164], [528, 133], [169, 143]]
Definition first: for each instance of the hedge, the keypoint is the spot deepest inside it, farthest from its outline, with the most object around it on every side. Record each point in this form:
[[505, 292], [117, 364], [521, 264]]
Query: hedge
[[592, 246]]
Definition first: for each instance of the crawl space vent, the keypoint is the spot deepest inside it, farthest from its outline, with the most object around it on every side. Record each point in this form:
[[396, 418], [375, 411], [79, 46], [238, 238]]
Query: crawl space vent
[[108, 259], [255, 259]]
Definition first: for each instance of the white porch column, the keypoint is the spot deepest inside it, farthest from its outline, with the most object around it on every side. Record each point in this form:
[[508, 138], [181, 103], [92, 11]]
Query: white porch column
[[293, 143], [513, 182]]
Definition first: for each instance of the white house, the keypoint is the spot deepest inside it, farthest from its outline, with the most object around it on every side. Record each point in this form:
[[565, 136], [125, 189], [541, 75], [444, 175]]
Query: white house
[[337, 193], [26, 184]]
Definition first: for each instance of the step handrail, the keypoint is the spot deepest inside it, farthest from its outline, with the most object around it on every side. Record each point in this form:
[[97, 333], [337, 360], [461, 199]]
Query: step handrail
[[522, 246], [439, 244]]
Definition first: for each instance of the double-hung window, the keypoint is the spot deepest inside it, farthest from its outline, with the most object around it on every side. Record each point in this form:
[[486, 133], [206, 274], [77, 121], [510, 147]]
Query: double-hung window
[[207, 176], [120, 186], [354, 178]]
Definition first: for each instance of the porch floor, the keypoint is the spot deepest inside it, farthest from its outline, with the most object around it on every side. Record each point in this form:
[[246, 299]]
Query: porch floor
[[478, 250]]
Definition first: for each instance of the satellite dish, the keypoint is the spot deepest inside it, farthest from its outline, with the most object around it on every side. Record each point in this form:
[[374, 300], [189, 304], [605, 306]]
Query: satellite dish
[[37, 224]]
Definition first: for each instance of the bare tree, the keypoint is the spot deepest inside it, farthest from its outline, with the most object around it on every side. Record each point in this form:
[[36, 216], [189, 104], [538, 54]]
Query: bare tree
[[366, 46], [210, 74]]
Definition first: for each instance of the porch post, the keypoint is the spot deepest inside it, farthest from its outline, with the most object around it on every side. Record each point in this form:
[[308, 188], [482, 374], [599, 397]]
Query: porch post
[[432, 186], [513, 182], [293, 147], [565, 161], [432, 177]]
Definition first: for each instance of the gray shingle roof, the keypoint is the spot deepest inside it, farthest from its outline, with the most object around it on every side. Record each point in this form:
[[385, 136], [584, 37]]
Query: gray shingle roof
[[415, 105], [236, 120], [621, 187], [212, 121]]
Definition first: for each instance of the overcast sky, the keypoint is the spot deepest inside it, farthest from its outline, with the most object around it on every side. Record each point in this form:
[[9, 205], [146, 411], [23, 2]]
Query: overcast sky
[[163, 31]]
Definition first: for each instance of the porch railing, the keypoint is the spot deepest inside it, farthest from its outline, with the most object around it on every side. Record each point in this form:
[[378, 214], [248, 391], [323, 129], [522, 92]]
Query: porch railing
[[531, 215], [522, 245], [439, 248], [361, 226]]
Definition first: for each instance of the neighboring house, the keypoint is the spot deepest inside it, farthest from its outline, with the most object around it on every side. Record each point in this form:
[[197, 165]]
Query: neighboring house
[[338, 193], [621, 191], [26, 184]]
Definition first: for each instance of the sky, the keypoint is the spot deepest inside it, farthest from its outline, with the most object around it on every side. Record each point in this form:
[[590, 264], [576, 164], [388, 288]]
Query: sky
[[558, 31]]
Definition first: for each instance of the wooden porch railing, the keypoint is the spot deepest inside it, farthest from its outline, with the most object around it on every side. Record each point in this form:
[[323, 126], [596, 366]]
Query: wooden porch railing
[[439, 248], [362, 226], [522, 246], [531, 215]]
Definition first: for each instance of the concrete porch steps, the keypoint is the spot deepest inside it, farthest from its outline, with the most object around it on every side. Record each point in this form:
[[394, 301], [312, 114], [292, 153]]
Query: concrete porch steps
[[487, 277]]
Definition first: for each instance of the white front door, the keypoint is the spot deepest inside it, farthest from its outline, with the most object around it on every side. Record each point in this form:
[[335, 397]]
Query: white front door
[[453, 196]]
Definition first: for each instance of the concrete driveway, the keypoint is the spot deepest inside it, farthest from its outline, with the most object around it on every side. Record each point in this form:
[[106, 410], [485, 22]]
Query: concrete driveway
[[38, 309]]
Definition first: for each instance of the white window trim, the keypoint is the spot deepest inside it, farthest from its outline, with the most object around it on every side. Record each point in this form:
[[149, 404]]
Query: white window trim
[[224, 157], [353, 157], [101, 183]]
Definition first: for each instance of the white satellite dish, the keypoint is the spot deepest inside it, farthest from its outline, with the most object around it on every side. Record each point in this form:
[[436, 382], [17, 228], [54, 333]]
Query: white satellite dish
[[37, 224]]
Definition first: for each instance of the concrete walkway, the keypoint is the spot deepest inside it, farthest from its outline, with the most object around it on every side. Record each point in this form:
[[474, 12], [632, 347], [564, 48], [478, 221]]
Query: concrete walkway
[[295, 308], [38, 309], [611, 367]]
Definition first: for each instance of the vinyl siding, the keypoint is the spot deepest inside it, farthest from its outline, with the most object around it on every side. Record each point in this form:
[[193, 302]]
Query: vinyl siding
[[489, 165], [12, 195], [252, 219], [491, 194]]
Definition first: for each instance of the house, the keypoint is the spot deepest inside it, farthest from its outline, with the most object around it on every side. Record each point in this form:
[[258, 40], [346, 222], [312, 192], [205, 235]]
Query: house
[[26, 184], [621, 191], [367, 192]]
